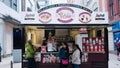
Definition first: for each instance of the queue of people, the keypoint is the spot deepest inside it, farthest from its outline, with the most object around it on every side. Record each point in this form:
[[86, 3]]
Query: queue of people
[[63, 55]]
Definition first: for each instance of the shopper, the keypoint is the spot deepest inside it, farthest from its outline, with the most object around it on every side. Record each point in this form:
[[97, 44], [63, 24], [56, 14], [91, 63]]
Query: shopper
[[76, 61], [30, 52], [118, 48], [0, 52], [64, 55]]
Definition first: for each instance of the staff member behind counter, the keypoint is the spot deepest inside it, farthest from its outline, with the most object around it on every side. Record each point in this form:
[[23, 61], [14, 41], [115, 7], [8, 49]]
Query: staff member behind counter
[[51, 44]]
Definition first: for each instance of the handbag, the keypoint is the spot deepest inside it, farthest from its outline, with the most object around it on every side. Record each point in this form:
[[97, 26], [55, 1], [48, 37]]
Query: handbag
[[65, 61]]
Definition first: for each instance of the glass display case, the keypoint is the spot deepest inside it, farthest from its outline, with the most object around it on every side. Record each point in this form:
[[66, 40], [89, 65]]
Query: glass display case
[[93, 45]]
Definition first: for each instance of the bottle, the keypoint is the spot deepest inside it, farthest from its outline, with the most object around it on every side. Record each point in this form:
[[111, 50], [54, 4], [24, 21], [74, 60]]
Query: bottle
[[95, 48], [96, 40], [93, 42], [91, 47], [99, 42], [83, 40], [88, 48], [90, 40], [99, 48], [83, 48], [102, 48], [87, 42]]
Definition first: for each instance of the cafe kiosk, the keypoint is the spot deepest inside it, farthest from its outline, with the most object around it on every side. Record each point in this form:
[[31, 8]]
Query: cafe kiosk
[[71, 16]]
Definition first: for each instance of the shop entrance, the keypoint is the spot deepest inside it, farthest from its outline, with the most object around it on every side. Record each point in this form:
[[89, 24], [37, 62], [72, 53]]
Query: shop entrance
[[69, 23], [92, 40]]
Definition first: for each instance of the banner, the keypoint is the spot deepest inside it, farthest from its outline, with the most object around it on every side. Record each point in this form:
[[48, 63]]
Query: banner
[[64, 14]]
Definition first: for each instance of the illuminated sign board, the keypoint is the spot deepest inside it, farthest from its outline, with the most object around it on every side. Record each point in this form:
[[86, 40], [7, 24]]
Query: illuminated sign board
[[64, 14]]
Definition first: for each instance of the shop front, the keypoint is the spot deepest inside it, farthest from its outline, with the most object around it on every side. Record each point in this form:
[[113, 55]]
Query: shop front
[[67, 23], [116, 33]]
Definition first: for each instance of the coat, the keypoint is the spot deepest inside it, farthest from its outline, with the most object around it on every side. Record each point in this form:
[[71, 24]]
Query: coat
[[29, 50], [118, 44], [63, 54], [76, 57]]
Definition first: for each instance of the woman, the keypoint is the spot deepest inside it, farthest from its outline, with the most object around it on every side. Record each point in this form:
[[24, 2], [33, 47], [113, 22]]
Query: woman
[[50, 44], [64, 55], [118, 48], [76, 57], [30, 52]]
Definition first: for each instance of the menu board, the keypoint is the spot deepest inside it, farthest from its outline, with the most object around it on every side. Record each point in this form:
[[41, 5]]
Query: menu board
[[93, 44]]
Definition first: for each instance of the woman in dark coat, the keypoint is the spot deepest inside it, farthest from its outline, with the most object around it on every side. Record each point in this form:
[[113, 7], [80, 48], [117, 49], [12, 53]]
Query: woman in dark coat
[[64, 54]]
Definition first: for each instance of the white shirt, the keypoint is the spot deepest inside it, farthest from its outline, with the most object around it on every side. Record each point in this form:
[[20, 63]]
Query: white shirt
[[76, 57], [49, 47]]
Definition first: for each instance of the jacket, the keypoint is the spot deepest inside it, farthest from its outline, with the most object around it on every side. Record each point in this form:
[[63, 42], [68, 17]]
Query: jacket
[[63, 54], [76, 57], [29, 51]]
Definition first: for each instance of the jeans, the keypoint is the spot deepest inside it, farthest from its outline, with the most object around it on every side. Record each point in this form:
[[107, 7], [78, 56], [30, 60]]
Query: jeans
[[31, 63], [76, 66]]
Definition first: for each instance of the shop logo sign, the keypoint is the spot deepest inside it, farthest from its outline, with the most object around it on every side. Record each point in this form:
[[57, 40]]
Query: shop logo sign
[[84, 17], [45, 17], [65, 14], [100, 17], [29, 16]]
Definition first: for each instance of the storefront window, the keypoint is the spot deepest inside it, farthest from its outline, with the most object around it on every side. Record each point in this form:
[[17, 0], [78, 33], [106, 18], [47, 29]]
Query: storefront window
[[116, 39], [15, 5], [23, 5], [111, 5], [119, 4], [11, 3], [116, 29], [7, 2]]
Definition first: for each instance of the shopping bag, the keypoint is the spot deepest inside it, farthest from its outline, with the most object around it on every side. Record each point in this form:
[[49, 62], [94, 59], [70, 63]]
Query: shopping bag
[[65, 61]]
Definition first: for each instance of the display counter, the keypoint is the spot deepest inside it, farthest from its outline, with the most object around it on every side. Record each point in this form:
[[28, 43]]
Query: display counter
[[92, 60], [94, 55]]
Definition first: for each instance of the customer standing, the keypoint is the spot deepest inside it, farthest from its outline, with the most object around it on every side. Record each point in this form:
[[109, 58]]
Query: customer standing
[[118, 48], [64, 55], [30, 52], [76, 57], [0, 52]]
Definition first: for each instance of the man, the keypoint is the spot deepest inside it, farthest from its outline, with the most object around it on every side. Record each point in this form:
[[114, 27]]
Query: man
[[30, 52]]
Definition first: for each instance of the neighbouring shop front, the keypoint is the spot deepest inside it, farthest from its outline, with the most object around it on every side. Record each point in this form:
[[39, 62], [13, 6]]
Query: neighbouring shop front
[[116, 33], [67, 23]]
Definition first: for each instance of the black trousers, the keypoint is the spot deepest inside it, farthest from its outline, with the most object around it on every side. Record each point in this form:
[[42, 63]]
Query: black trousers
[[31, 63], [62, 65], [0, 56]]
